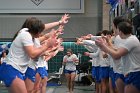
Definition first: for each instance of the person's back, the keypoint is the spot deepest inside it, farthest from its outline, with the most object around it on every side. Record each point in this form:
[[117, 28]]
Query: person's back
[[17, 57]]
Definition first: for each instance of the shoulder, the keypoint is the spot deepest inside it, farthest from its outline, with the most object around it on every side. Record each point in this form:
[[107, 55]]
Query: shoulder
[[65, 56], [132, 40], [24, 32], [74, 55]]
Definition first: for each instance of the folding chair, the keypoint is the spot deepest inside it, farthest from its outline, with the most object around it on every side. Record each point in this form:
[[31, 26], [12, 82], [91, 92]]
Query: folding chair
[[57, 75]]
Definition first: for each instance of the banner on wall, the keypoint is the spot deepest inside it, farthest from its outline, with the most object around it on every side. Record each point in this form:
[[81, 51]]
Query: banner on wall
[[113, 8], [41, 6], [113, 2]]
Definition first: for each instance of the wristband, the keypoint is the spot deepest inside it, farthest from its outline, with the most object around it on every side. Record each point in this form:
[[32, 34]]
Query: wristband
[[60, 22]]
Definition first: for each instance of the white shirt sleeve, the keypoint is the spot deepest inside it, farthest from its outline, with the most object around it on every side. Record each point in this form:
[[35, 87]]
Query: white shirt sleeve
[[75, 56], [95, 37], [130, 43], [26, 39], [89, 48], [93, 55], [89, 42]]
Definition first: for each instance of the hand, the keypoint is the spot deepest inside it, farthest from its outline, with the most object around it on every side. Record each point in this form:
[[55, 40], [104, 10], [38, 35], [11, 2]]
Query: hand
[[60, 40], [52, 33], [65, 60], [51, 42], [61, 48], [79, 41], [60, 30], [64, 19], [86, 53], [87, 36], [99, 42], [74, 59]]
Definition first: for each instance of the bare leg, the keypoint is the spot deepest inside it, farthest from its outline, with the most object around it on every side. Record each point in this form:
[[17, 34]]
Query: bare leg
[[29, 85], [120, 85], [44, 85], [131, 89], [100, 88], [37, 83], [17, 86], [104, 85], [97, 87], [73, 75], [111, 89], [68, 81]]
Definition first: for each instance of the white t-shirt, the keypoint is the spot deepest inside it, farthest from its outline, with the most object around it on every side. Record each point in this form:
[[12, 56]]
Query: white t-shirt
[[118, 64], [95, 37], [17, 56], [111, 62], [132, 58], [3, 59], [70, 65], [38, 62], [104, 62], [46, 65], [90, 45], [95, 58]]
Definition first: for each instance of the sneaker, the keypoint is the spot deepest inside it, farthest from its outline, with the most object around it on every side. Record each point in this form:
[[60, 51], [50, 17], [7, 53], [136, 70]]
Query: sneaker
[[92, 84]]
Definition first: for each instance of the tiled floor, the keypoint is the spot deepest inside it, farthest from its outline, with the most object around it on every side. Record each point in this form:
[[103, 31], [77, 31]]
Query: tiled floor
[[61, 89]]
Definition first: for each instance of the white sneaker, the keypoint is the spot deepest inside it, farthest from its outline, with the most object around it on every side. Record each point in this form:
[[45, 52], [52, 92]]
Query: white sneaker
[[92, 84]]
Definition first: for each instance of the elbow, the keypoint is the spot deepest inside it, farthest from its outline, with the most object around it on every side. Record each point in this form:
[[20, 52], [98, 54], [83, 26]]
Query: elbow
[[116, 57], [33, 56]]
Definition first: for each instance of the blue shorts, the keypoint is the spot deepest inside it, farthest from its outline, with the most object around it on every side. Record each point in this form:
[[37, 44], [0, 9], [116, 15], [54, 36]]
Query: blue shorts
[[97, 75], [8, 74], [93, 71], [104, 72], [121, 76], [69, 71], [30, 73], [134, 79], [42, 72], [112, 76]]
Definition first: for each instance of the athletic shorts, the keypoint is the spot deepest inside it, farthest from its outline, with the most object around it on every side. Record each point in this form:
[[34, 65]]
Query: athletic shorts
[[30, 73], [104, 72], [112, 76], [134, 79], [93, 71], [69, 71], [97, 75], [121, 76], [42, 72], [8, 74]]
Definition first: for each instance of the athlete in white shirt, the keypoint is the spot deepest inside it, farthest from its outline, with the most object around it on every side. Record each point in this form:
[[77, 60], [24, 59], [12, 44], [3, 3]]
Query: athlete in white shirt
[[70, 60], [21, 50], [129, 52]]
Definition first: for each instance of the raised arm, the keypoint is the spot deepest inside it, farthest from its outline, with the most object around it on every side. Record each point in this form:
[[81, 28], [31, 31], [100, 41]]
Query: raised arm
[[62, 21]]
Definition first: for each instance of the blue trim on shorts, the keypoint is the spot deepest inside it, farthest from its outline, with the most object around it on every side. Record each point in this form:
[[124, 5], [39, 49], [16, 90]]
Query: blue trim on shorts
[[30, 73], [134, 79], [69, 71], [42, 72], [9, 73]]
